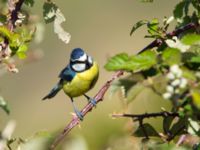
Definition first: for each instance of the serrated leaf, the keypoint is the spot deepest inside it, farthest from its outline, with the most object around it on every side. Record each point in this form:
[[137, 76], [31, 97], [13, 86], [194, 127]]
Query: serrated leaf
[[134, 63], [191, 39], [117, 62], [171, 56], [29, 3], [49, 10], [134, 91], [21, 52], [149, 130], [4, 105], [167, 121], [178, 10], [138, 25], [196, 98], [153, 28]]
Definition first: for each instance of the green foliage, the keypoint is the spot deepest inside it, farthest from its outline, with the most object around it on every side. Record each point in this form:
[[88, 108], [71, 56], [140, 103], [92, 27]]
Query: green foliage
[[170, 70], [153, 28], [29, 3], [191, 39], [138, 25], [179, 9], [4, 105], [49, 9], [132, 63], [171, 56], [150, 131]]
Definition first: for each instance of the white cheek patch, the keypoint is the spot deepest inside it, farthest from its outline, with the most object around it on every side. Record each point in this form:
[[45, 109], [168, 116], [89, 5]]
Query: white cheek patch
[[82, 58], [90, 59], [79, 67]]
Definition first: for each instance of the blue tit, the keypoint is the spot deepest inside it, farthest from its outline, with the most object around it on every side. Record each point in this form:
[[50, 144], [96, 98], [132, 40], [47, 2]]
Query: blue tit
[[77, 78]]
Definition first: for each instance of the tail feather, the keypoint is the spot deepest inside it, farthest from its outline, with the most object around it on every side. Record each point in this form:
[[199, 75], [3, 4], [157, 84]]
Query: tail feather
[[53, 92]]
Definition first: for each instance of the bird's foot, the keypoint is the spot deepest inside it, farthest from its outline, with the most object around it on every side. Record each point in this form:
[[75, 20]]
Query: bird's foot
[[79, 115], [93, 102]]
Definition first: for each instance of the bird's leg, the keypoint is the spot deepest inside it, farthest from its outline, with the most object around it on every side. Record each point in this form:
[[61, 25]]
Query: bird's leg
[[91, 100], [78, 113]]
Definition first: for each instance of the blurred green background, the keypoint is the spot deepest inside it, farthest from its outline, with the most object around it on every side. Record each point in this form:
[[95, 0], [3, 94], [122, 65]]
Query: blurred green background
[[101, 28]]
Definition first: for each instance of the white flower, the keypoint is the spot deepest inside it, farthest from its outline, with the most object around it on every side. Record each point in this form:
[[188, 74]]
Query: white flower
[[197, 74], [176, 43], [170, 89], [170, 19], [177, 91], [170, 76], [174, 68], [176, 82], [167, 95], [183, 83], [176, 71]]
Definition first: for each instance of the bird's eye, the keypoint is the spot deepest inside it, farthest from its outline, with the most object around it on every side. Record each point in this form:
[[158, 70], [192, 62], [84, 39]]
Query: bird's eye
[[90, 59], [79, 67]]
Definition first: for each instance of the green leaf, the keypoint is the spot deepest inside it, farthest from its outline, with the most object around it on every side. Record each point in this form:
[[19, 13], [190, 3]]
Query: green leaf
[[153, 27], [29, 3], [138, 25], [178, 11], [188, 74], [191, 39], [171, 56], [4, 105], [167, 121], [134, 92], [149, 129], [21, 52], [5, 32], [179, 126], [3, 18], [134, 63], [195, 59], [49, 10], [196, 98]]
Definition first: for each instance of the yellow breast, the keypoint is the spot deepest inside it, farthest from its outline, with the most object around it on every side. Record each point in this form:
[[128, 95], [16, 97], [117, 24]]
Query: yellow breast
[[82, 82]]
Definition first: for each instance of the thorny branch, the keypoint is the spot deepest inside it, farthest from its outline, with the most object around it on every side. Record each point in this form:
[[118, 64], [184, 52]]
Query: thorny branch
[[99, 96], [75, 120]]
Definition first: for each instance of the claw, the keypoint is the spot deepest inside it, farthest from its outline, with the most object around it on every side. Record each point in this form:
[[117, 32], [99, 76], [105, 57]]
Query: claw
[[93, 102], [79, 115]]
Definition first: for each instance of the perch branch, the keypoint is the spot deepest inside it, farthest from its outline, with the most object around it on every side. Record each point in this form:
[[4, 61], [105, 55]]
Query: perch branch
[[75, 120], [99, 96]]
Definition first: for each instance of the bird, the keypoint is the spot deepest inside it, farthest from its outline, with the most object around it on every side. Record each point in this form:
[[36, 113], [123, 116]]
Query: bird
[[77, 78]]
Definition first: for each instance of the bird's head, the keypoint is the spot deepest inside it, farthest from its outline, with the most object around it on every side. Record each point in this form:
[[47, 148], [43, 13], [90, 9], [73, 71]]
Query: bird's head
[[79, 60]]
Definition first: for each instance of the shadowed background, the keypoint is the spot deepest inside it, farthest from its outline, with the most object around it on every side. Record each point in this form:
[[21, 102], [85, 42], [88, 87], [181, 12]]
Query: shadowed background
[[102, 29]]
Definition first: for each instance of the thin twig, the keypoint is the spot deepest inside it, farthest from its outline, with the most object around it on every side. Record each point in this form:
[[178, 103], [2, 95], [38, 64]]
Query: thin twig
[[158, 42], [99, 96], [138, 117]]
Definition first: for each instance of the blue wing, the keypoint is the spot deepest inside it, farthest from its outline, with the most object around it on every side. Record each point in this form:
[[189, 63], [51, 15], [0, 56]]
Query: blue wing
[[67, 74]]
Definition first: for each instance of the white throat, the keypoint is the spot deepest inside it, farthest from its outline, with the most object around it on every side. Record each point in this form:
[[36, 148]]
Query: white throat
[[79, 67]]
